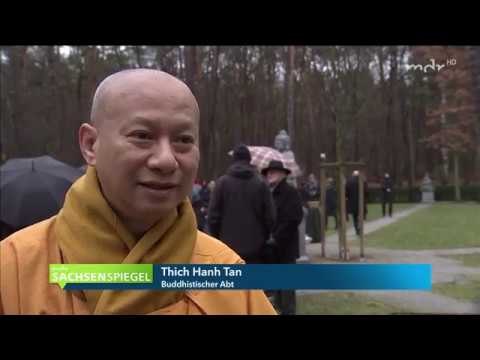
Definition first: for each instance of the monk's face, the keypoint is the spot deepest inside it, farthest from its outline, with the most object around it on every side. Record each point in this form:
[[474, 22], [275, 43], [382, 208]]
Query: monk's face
[[146, 153]]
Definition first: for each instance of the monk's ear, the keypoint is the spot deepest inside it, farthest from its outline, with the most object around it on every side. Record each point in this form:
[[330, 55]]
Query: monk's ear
[[87, 136]]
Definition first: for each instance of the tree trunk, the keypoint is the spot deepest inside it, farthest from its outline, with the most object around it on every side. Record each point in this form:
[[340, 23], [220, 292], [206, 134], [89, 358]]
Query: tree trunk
[[139, 56], [411, 157], [290, 79], [354, 112], [191, 68], [390, 121], [214, 131], [17, 83], [91, 66], [342, 211], [407, 118], [456, 177], [477, 154], [5, 109], [382, 157], [118, 57], [312, 155], [444, 150]]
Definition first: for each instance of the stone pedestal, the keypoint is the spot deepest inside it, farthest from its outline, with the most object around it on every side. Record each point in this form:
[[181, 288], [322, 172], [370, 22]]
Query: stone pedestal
[[428, 197], [428, 192]]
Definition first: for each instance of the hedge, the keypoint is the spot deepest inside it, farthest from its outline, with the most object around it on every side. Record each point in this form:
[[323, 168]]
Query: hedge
[[442, 193]]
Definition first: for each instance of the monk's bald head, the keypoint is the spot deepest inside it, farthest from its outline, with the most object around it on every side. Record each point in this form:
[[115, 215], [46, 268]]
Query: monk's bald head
[[150, 83], [144, 132]]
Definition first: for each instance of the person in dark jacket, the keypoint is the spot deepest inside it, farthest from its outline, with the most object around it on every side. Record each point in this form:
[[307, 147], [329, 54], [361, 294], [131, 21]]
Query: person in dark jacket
[[205, 194], [310, 193], [289, 212], [204, 201], [197, 205], [331, 203], [311, 189], [352, 195], [241, 211], [387, 194]]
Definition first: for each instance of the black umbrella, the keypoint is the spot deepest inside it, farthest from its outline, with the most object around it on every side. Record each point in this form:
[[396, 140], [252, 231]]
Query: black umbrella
[[33, 189], [42, 164]]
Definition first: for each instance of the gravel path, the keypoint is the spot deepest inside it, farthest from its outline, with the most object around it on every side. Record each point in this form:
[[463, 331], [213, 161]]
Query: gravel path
[[443, 269]]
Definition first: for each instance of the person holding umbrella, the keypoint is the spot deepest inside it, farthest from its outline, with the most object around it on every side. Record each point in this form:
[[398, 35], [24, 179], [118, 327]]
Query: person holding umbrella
[[131, 207], [289, 212]]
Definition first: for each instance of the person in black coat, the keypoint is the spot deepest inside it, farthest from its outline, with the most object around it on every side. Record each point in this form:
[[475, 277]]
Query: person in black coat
[[331, 203], [352, 195], [204, 200], [197, 206], [311, 189], [387, 194], [310, 192], [289, 212], [241, 211]]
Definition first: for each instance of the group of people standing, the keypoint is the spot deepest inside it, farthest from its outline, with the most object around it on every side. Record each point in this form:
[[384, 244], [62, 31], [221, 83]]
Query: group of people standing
[[200, 199], [311, 195], [257, 214], [310, 192]]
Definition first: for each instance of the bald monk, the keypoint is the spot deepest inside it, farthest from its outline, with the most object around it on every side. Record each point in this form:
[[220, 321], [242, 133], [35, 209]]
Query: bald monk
[[132, 206]]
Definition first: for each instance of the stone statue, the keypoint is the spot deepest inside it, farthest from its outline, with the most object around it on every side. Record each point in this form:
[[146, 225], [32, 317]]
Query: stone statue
[[427, 189], [282, 144], [282, 141], [427, 184]]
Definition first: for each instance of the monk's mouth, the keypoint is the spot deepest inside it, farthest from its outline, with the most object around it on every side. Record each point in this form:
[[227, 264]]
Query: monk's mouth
[[159, 187]]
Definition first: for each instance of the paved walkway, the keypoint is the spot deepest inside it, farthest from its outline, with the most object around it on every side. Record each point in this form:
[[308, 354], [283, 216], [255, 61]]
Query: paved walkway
[[369, 227], [443, 269]]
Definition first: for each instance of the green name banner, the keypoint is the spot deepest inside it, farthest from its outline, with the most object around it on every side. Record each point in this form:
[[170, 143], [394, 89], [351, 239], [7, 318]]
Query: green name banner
[[63, 274]]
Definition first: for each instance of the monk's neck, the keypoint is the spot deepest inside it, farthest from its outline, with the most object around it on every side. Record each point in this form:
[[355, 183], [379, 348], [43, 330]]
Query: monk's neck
[[138, 228]]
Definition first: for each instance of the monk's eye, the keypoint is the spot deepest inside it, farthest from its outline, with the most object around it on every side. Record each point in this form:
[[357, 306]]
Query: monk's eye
[[185, 139], [141, 135]]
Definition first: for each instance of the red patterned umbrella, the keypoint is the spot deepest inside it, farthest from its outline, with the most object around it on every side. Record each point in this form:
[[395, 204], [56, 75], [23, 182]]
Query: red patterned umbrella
[[262, 155]]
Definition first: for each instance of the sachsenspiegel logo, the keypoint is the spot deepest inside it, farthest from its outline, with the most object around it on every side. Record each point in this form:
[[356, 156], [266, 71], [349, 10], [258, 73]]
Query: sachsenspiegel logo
[[63, 274]]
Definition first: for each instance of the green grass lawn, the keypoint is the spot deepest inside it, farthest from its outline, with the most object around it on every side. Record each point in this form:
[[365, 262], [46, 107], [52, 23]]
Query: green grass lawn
[[471, 260], [468, 290], [442, 226], [374, 213], [341, 303], [375, 210]]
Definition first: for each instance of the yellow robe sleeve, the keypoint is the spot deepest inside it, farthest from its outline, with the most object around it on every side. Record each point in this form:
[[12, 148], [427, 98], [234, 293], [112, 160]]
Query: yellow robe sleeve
[[258, 304], [9, 296]]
